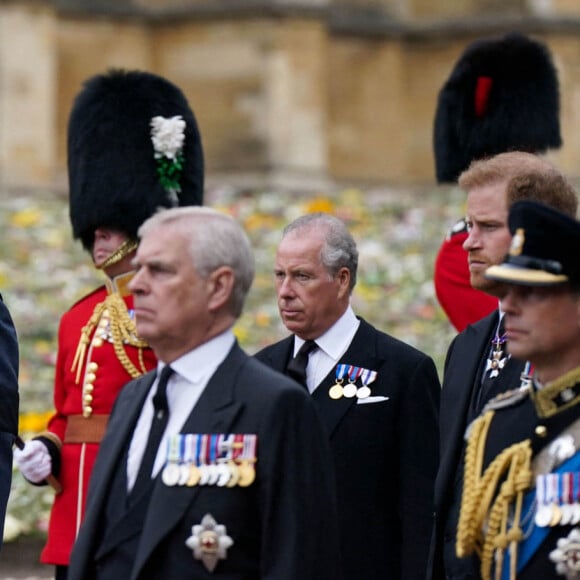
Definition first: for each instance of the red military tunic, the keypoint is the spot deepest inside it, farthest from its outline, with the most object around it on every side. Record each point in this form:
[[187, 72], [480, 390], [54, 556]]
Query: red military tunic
[[83, 399]]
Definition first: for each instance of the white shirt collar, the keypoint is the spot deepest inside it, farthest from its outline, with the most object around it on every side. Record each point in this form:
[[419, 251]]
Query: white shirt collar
[[199, 364], [337, 338]]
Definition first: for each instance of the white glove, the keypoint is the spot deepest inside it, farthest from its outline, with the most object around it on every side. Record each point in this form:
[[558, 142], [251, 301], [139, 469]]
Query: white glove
[[34, 461]]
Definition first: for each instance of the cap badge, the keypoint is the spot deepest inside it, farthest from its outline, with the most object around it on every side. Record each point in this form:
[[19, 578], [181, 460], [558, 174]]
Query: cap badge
[[209, 542], [518, 242]]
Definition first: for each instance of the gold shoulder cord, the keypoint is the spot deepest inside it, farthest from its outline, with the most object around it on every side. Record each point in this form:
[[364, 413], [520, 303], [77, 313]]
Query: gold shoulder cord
[[123, 331], [479, 507]]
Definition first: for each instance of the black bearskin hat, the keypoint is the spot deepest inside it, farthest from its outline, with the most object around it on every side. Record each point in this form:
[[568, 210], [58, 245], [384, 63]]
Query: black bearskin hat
[[502, 95], [117, 176]]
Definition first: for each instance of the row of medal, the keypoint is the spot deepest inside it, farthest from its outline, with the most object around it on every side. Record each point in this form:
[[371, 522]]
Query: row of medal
[[210, 459], [557, 499], [351, 373]]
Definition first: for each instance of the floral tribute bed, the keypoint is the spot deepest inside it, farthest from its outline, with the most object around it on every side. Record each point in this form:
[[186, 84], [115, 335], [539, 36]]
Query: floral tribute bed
[[43, 272]]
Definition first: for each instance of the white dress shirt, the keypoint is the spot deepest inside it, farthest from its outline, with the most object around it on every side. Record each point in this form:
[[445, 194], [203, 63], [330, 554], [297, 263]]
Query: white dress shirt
[[331, 346], [191, 374]]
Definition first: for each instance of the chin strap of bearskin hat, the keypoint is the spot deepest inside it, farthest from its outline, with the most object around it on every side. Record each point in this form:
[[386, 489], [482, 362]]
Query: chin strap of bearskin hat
[[487, 499], [121, 252]]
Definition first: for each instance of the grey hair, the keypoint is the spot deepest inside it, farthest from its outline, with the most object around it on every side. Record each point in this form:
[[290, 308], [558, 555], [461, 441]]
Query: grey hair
[[339, 249], [215, 240]]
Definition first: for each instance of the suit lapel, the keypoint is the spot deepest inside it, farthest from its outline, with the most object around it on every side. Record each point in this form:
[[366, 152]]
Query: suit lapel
[[112, 450], [127, 411], [215, 412], [362, 353], [278, 355], [467, 361]]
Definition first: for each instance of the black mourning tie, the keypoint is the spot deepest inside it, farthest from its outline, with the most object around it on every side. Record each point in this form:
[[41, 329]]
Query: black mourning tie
[[297, 366], [158, 425]]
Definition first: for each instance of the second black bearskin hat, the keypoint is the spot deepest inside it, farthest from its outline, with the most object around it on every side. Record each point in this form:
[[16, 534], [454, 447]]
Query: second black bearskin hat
[[118, 177], [502, 95]]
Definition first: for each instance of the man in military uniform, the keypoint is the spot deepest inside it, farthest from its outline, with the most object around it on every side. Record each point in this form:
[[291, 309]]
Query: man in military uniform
[[133, 146], [477, 366], [520, 509]]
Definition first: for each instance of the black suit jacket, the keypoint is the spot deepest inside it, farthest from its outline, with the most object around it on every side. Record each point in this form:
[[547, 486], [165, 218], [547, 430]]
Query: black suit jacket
[[461, 380], [385, 455], [283, 525], [8, 404]]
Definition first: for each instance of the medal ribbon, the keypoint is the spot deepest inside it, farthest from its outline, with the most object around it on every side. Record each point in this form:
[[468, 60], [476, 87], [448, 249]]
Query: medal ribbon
[[249, 450], [354, 373], [173, 449], [341, 371], [238, 447]]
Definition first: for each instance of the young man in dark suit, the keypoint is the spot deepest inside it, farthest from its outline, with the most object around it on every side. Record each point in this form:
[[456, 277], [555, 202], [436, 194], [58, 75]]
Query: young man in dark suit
[[477, 366], [238, 482], [377, 397]]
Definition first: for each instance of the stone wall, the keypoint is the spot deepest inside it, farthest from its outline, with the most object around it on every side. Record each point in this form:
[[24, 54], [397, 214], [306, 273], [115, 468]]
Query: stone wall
[[330, 91]]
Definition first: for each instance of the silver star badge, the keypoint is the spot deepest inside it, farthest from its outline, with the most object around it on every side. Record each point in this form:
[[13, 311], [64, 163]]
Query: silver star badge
[[209, 542], [567, 555]]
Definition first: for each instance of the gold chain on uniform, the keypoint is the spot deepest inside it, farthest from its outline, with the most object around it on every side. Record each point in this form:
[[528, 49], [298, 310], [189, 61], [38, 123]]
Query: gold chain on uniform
[[481, 506], [123, 331]]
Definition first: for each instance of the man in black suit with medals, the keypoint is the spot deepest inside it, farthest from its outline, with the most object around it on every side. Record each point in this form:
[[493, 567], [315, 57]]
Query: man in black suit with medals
[[520, 509], [215, 466], [478, 366], [377, 397]]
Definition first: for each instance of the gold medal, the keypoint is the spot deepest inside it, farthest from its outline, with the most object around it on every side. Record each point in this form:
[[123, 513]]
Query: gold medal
[[247, 473], [234, 474], [194, 476], [335, 392], [556, 515]]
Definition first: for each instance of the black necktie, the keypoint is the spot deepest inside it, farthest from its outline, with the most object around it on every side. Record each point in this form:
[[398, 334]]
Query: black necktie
[[297, 366], [158, 424]]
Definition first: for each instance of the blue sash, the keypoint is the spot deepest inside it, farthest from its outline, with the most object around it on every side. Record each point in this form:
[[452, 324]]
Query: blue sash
[[527, 548]]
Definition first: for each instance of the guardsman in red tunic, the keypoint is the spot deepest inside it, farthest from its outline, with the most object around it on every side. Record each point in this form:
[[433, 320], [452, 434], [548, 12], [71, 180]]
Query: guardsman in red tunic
[[133, 147], [502, 95]]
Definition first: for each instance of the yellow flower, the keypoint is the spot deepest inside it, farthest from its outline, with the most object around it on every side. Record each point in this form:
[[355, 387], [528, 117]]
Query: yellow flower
[[320, 204], [34, 422], [241, 333], [263, 319], [26, 218]]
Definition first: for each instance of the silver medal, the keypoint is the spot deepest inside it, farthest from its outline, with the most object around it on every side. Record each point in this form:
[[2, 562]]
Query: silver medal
[[349, 390], [170, 474]]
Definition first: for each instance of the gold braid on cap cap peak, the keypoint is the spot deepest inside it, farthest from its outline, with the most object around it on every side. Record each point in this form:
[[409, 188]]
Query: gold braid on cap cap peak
[[481, 507], [123, 331], [121, 252]]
